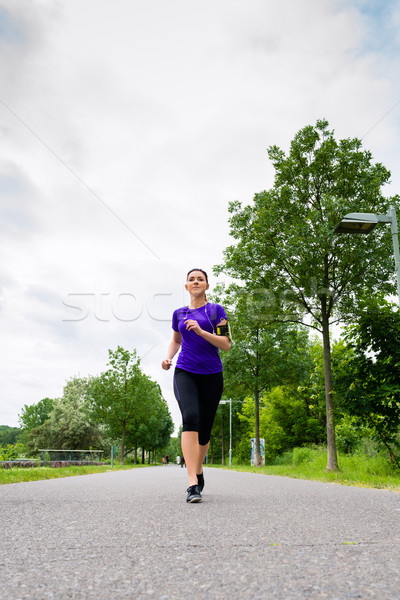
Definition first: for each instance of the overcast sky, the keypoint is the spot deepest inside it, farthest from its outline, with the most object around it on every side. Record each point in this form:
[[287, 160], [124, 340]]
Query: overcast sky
[[126, 129]]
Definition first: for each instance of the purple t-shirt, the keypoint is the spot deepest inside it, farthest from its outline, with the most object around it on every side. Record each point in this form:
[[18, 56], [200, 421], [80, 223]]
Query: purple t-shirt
[[197, 355]]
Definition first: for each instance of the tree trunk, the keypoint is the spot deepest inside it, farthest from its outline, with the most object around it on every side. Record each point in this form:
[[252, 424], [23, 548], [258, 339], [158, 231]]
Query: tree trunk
[[330, 410], [123, 442], [135, 454]]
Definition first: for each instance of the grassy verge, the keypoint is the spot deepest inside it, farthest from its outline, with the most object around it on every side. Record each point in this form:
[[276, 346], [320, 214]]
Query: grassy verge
[[19, 474], [358, 470]]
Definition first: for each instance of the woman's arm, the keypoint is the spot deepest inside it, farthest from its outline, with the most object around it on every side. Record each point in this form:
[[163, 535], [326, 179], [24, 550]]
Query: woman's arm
[[173, 348], [220, 341]]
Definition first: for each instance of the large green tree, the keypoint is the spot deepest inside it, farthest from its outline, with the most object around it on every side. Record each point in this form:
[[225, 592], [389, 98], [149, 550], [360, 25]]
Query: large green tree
[[115, 397], [31, 417], [68, 427], [286, 248], [68, 424], [129, 404], [152, 424], [34, 415]]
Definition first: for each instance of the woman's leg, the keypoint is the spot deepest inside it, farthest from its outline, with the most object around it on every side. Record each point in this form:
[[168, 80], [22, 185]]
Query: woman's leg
[[203, 449], [186, 393], [210, 392], [198, 397], [191, 452]]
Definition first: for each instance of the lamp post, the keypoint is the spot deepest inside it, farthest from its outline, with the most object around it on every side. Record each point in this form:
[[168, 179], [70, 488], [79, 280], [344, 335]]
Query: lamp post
[[365, 222], [230, 427]]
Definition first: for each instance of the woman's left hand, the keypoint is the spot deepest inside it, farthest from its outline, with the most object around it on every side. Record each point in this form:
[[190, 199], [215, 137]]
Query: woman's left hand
[[192, 325]]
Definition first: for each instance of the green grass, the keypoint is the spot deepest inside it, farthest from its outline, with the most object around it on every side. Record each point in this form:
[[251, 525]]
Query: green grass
[[357, 470], [301, 463], [19, 474]]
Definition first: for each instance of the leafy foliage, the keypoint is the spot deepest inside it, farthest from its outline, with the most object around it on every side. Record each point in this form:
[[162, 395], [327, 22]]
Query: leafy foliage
[[371, 377], [263, 355], [287, 254], [9, 435], [122, 403], [8, 452], [285, 423], [287, 244], [35, 415], [129, 404], [67, 426]]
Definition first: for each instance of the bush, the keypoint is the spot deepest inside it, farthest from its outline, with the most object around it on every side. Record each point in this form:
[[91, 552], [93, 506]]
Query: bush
[[9, 452], [302, 455], [350, 434], [242, 451], [284, 459]]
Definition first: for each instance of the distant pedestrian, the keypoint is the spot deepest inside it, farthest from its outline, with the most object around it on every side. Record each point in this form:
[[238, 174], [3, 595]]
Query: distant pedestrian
[[200, 330]]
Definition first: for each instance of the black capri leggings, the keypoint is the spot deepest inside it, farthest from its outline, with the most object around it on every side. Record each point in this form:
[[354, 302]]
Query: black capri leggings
[[198, 397]]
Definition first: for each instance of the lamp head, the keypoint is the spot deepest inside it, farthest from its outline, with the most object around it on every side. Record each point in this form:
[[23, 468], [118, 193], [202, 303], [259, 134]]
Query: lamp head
[[357, 223]]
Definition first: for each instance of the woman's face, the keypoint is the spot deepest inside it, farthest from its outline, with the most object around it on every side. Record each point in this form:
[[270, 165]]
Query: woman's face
[[196, 283]]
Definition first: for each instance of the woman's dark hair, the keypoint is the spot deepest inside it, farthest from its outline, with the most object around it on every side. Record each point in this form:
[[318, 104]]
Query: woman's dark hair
[[201, 271]]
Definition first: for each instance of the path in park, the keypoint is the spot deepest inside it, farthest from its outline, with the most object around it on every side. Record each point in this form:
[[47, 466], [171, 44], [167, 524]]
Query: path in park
[[130, 534]]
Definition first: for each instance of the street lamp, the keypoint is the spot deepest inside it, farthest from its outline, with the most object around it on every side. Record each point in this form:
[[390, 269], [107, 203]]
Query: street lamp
[[230, 427], [365, 222]]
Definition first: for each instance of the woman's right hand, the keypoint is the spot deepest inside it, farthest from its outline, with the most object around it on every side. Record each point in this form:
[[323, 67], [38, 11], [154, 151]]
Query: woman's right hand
[[166, 364]]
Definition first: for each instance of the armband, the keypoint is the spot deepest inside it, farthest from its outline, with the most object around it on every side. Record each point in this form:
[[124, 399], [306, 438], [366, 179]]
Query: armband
[[224, 330]]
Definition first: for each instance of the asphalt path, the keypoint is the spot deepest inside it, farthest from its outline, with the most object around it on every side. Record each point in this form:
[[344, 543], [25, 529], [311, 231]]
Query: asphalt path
[[131, 534]]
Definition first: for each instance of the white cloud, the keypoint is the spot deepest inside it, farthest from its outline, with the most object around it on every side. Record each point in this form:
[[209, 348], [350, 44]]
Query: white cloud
[[156, 114]]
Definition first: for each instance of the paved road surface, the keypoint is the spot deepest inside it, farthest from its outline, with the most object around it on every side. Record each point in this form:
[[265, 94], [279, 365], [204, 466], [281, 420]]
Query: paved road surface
[[130, 534]]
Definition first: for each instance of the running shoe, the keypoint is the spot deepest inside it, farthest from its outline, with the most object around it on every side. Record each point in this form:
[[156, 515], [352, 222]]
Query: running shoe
[[193, 494]]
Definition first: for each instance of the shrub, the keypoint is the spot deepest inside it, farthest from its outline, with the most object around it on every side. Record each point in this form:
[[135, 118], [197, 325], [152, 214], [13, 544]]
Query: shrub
[[350, 434], [284, 459], [9, 452], [302, 455]]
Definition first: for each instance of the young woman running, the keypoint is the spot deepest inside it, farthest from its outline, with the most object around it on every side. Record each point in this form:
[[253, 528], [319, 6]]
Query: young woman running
[[200, 330]]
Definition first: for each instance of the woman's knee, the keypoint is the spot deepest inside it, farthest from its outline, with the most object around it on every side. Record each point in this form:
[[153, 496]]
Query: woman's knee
[[204, 436], [190, 422]]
